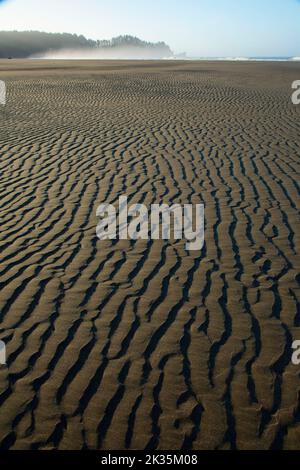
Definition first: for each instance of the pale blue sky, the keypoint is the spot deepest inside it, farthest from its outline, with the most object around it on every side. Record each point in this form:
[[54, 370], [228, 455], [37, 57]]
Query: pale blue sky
[[199, 27]]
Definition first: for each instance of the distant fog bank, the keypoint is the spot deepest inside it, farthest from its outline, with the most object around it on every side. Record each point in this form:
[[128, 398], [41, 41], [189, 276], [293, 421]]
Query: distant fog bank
[[121, 53]]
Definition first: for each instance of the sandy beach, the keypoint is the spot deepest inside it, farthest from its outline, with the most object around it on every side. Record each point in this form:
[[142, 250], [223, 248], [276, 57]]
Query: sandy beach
[[140, 344]]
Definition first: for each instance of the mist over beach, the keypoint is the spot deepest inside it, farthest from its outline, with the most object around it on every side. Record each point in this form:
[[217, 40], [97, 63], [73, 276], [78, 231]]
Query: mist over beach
[[149, 241]]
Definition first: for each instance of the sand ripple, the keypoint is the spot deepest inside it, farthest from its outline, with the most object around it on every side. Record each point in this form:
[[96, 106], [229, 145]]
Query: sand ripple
[[140, 345]]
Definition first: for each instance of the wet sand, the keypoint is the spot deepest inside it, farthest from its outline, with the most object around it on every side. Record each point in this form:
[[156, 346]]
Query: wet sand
[[141, 345]]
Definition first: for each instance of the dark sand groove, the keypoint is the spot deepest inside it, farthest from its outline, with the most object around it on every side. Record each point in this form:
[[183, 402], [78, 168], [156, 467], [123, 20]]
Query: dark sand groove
[[141, 345]]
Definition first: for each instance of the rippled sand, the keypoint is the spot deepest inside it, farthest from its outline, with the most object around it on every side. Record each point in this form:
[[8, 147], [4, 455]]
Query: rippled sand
[[138, 345]]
